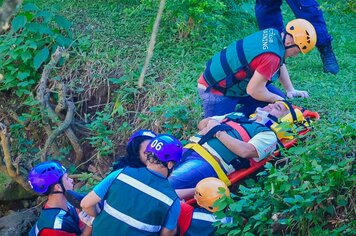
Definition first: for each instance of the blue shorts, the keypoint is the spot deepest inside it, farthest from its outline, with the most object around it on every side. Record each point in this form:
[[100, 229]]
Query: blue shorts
[[217, 105], [188, 172]]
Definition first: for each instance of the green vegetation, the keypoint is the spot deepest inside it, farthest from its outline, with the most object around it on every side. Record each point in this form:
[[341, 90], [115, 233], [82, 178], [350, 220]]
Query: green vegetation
[[107, 42]]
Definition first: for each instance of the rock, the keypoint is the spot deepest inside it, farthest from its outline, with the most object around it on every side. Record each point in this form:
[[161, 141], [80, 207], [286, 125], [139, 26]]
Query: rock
[[18, 223]]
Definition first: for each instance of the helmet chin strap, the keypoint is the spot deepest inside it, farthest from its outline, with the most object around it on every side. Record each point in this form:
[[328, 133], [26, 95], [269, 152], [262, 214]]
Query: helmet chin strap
[[284, 40], [169, 170], [62, 186]]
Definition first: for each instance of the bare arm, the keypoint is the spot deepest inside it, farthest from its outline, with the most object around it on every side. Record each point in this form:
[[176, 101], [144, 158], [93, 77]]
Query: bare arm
[[256, 88], [86, 231], [167, 232], [240, 148], [284, 78], [185, 193], [89, 202]]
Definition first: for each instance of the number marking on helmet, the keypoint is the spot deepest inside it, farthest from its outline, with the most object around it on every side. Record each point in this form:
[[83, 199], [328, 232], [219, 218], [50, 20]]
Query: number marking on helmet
[[157, 145]]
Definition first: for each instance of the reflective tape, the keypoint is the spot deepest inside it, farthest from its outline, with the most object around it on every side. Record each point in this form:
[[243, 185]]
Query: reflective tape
[[145, 188], [129, 220]]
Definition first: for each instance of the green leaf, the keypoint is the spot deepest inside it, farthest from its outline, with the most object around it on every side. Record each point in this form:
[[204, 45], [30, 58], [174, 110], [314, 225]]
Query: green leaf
[[289, 200], [18, 22], [117, 80], [46, 15], [30, 7], [45, 30], [31, 44], [62, 22], [341, 200], [237, 206], [330, 209], [299, 198], [25, 56], [23, 75], [40, 57], [63, 41]]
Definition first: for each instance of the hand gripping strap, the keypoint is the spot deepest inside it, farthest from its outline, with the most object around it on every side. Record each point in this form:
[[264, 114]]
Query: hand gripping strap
[[211, 160], [210, 134]]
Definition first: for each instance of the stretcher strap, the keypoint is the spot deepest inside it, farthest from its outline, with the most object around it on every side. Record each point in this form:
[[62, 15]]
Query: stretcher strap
[[241, 130], [211, 160]]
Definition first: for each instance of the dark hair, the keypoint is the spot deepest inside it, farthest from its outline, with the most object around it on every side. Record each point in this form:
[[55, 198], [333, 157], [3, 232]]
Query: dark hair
[[132, 158]]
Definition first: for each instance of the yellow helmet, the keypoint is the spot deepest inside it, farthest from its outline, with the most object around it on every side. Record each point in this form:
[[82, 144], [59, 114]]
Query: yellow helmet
[[207, 192], [303, 33]]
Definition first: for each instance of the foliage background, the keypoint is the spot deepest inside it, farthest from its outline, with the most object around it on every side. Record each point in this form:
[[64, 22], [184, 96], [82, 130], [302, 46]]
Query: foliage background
[[101, 72]]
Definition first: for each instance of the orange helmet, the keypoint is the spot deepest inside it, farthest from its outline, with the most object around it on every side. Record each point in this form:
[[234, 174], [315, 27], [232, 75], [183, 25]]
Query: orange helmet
[[303, 33], [207, 192]]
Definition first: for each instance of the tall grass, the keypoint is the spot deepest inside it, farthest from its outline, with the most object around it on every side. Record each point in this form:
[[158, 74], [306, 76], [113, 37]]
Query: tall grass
[[113, 38]]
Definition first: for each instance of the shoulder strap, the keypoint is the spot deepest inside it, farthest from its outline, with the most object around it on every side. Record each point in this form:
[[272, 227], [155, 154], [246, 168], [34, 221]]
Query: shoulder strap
[[242, 58], [212, 132], [211, 160], [241, 130]]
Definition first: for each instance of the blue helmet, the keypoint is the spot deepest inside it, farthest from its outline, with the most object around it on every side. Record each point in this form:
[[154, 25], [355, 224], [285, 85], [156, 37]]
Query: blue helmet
[[141, 133], [166, 148], [44, 175]]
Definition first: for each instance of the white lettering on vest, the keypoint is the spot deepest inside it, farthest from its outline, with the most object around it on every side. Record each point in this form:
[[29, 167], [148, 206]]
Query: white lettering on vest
[[267, 38]]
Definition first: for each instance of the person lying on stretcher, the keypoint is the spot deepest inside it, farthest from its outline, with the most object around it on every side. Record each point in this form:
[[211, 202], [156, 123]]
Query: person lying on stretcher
[[232, 140]]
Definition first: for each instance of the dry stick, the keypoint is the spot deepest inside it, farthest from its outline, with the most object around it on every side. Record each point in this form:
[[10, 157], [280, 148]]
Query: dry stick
[[9, 168], [152, 43], [7, 10]]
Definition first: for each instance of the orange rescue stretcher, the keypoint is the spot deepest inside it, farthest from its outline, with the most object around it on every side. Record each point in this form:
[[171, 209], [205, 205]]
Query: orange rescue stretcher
[[255, 166]]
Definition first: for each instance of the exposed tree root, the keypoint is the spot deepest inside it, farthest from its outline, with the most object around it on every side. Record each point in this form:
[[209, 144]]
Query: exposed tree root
[[9, 168], [53, 115]]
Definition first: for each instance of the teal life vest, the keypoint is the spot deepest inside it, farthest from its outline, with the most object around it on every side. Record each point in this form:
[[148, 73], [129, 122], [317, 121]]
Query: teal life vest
[[240, 128], [237, 56], [137, 203], [58, 219], [202, 223]]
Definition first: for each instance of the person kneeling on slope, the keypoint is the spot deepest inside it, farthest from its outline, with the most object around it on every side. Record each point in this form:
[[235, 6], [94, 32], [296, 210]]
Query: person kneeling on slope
[[243, 72], [139, 201]]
